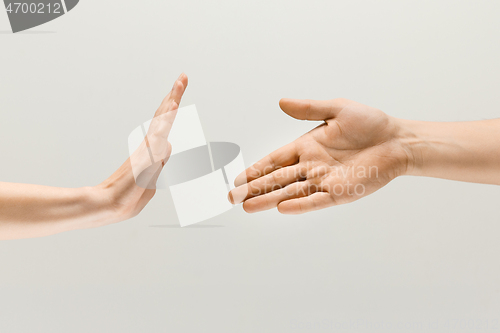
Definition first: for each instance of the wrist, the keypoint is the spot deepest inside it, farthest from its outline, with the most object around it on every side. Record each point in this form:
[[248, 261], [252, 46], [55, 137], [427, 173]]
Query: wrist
[[412, 139], [464, 151], [119, 194], [101, 201]]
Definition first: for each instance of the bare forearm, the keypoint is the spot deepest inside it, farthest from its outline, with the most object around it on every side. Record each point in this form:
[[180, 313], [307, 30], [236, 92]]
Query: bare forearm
[[465, 151], [28, 211]]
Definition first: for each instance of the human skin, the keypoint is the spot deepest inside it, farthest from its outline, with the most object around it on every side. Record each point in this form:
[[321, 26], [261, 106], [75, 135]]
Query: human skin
[[359, 149], [28, 211]]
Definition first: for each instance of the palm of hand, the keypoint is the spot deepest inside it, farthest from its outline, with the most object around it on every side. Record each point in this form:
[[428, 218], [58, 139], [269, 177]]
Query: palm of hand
[[352, 154]]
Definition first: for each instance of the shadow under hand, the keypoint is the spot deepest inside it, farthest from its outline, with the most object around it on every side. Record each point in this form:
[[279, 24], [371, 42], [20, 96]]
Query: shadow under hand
[[176, 226]]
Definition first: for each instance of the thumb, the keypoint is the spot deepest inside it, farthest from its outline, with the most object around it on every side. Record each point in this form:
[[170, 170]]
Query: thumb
[[307, 109]]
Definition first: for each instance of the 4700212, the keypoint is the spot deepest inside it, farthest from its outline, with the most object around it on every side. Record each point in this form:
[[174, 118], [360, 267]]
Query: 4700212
[[34, 8]]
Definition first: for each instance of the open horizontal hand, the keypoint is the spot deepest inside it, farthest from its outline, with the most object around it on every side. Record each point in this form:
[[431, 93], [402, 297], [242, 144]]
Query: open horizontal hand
[[354, 152]]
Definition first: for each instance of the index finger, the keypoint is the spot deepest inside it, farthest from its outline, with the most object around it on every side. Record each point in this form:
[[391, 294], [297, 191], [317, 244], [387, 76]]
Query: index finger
[[283, 157], [174, 96]]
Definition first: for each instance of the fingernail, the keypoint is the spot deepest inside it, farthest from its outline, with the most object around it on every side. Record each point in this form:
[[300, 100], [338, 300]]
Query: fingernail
[[239, 194]]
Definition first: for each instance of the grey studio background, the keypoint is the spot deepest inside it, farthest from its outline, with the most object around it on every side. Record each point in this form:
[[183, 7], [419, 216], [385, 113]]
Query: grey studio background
[[419, 255]]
